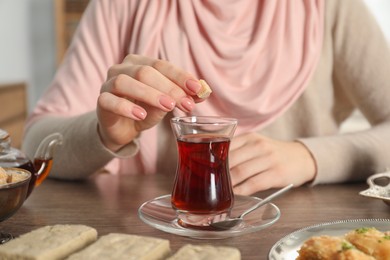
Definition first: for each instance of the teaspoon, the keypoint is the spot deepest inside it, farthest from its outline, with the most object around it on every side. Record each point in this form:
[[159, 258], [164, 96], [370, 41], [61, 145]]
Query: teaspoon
[[232, 222]]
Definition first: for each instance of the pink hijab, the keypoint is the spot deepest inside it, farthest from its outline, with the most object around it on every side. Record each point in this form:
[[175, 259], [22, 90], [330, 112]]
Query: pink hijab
[[257, 56]]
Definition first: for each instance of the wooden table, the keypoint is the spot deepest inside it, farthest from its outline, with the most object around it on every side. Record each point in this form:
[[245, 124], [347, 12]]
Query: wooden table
[[110, 203]]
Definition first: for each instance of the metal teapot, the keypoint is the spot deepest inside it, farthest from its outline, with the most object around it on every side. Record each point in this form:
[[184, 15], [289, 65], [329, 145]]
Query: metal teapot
[[41, 164]]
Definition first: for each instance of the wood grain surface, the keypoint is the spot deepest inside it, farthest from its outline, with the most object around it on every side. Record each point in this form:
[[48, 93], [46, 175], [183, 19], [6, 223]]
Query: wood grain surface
[[110, 204]]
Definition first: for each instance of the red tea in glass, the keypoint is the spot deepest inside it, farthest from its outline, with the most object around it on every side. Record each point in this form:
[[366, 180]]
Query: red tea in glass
[[202, 189]]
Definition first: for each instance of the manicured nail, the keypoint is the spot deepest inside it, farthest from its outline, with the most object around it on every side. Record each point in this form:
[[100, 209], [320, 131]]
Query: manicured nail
[[139, 113], [187, 104], [167, 102], [193, 85]]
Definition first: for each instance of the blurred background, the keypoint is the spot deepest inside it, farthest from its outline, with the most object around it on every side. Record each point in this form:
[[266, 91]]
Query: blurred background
[[33, 36]]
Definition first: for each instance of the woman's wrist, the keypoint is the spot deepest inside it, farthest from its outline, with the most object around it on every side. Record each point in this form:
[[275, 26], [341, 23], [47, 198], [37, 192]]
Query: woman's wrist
[[107, 143]]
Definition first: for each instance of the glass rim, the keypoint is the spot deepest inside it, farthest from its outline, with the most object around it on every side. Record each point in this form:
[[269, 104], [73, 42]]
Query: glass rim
[[200, 120]]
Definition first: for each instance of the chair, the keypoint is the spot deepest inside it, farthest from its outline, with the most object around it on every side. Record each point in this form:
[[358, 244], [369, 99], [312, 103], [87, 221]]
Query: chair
[[13, 110]]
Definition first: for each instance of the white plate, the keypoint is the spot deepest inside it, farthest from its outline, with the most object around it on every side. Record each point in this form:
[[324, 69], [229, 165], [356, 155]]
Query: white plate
[[287, 247], [379, 187], [159, 214]]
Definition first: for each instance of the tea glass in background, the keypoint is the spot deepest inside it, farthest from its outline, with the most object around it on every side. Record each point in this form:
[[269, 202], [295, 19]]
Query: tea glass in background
[[202, 191]]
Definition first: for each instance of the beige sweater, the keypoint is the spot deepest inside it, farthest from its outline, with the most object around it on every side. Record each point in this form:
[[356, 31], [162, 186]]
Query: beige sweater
[[353, 73]]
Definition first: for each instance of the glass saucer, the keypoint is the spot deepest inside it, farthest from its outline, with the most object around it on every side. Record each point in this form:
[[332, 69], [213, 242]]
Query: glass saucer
[[159, 214]]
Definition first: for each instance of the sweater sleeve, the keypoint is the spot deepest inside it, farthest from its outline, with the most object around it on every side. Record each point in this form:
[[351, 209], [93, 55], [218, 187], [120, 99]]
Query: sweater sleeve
[[68, 105], [362, 70], [82, 153]]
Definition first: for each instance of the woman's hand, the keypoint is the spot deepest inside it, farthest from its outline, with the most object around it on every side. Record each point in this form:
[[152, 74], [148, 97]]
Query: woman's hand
[[137, 95], [258, 163]]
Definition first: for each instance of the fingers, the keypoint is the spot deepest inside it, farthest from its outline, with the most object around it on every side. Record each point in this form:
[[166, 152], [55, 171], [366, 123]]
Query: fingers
[[137, 95], [115, 128], [247, 168], [242, 140], [251, 170], [249, 158], [258, 182], [178, 76], [120, 106], [136, 91], [247, 146], [181, 78], [258, 163], [146, 82]]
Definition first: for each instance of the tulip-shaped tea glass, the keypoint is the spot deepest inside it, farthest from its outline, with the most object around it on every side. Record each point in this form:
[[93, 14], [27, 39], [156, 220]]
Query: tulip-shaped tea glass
[[202, 190]]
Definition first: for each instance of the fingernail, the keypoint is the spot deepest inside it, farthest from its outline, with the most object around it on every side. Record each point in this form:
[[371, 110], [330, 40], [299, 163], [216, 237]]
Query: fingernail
[[193, 85], [138, 113], [187, 104], [167, 102]]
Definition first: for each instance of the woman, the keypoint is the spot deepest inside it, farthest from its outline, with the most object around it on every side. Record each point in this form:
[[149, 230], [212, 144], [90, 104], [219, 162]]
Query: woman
[[290, 72]]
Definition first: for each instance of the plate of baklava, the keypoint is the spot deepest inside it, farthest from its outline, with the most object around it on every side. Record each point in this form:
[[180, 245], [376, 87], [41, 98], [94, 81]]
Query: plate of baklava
[[344, 239]]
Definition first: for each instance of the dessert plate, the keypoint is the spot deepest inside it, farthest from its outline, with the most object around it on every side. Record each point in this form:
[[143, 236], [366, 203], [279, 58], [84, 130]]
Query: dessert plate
[[379, 187], [287, 248], [159, 214]]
